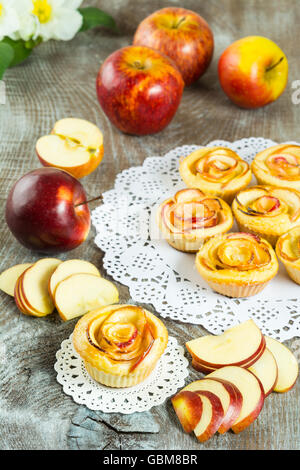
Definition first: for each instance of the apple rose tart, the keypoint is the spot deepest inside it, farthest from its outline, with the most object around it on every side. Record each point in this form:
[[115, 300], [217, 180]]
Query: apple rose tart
[[218, 171], [278, 166], [267, 211], [237, 264], [120, 344], [190, 217], [288, 251]]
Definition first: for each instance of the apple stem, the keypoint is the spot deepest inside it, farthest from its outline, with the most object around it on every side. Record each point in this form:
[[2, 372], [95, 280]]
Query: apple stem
[[90, 200], [274, 65], [179, 23]]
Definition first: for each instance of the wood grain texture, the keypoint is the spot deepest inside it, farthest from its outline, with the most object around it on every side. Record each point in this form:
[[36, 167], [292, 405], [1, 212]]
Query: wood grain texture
[[59, 81]]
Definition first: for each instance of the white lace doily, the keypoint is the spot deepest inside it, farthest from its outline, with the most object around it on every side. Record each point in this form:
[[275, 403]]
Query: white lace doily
[[137, 256], [167, 377]]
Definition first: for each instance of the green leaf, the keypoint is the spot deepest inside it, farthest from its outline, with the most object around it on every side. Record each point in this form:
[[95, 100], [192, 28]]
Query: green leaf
[[20, 48], [95, 17], [6, 57]]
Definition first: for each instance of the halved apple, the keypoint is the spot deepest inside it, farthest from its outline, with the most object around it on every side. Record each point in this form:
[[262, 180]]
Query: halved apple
[[34, 286], [252, 392], [188, 407], [240, 345], [211, 417], [8, 278], [81, 293], [75, 145], [266, 370], [67, 268], [228, 394], [288, 368]]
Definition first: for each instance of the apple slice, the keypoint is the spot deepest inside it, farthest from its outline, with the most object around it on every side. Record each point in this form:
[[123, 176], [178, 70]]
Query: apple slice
[[75, 145], [81, 293], [252, 392], [21, 302], [228, 394], [8, 278], [34, 286], [288, 368], [241, 344], [67, 268], [211, 418], [188, 407], [266, 370]]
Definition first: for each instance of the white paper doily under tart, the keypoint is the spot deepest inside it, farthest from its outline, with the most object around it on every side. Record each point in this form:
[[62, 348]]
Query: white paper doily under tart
[[167, 377], [157, 274]]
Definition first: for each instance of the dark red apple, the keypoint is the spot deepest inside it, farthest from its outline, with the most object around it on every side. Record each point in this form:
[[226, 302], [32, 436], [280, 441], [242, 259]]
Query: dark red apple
[[44, 211], [139, 90]]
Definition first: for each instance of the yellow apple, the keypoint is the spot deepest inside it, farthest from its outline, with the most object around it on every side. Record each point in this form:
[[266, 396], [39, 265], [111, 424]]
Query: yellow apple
[[253, 71]]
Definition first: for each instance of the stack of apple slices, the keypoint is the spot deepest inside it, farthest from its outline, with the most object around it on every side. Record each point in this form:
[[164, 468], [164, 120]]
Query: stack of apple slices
[[73, 287], [243, 368]]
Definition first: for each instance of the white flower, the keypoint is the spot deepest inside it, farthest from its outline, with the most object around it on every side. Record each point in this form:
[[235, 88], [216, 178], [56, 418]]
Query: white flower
[[48, 19], [9, 21]]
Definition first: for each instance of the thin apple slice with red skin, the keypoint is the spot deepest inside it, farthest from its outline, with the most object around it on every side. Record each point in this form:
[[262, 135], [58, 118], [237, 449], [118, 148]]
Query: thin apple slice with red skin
[[188, 408], [266, 370], [9, 277], [67, 268], [201, 368], [237, 346], [252, 392], [228, 394], [207, 370], [27, 309], [288, 368], [81, 293], [18, 300], [212, 415], [34, 286]]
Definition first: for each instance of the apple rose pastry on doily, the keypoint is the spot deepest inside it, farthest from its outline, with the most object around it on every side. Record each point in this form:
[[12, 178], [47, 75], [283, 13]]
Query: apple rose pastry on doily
[[190, 217], [237, 264], [288, 251], [217, 171], [120, 345], [278, 166], [267, 211]]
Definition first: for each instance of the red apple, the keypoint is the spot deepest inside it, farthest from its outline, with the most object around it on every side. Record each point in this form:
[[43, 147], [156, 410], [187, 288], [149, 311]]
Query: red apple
[[139, 90], [182, 35], [253, 71], [44, 211]]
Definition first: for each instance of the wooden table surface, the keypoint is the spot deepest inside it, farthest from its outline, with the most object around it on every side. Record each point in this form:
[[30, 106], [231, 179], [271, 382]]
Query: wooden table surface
[[59, 81]]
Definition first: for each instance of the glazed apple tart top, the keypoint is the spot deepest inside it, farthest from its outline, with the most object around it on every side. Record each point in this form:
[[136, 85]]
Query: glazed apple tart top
[[288, 247], [277, 209], [242, 257], [120, 339], [215, 170], [279, 166], [192, 214]]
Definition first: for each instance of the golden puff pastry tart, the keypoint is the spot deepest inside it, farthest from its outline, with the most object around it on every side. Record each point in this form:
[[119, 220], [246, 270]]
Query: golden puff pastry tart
[[237, 264], [267, 211], [120, 344], [288, 251], [278, 166], [217, 171], [190, 217]]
